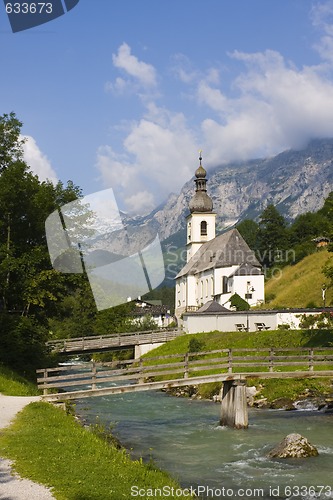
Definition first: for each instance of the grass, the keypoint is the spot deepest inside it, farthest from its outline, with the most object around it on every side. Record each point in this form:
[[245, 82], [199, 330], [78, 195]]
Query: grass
[[272, 389], [52, 448], [300, 284], [12, 384], [247, 340]]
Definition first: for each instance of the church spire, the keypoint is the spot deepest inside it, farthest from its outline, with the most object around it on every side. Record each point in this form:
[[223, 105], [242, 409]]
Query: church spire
[[200, 202]]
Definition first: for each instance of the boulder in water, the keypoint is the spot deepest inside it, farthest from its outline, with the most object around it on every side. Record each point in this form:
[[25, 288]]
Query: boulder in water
[[294, 446]]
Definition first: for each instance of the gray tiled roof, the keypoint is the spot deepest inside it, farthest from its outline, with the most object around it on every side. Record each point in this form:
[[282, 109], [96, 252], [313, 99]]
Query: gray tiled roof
[[212, 307], [225, 250]]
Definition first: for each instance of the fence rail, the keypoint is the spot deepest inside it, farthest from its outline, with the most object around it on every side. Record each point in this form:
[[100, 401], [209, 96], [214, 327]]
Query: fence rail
[[94, 343], [93, 379]]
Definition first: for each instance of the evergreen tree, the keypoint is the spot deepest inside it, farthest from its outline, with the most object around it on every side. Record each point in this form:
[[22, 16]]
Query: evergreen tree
[[272, 237], [249, 230]]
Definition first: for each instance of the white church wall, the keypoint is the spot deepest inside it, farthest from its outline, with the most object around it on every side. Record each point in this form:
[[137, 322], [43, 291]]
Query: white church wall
[[243, 284], [191, 292], [195, 323], [254, 320]]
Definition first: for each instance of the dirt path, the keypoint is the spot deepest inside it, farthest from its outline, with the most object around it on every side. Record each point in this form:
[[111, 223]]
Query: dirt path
[[12, 487]]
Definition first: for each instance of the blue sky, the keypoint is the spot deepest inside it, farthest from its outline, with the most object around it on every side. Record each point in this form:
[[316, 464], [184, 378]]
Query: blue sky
[[124, 93]]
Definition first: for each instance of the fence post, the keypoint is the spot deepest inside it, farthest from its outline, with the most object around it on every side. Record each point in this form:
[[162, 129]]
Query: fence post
[[45, 390], [311, 360], [230, 361], [186, 365], [141, 379], [271, 360], [93, 377]]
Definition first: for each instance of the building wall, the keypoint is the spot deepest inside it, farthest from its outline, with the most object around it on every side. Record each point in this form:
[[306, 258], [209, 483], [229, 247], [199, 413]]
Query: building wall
[[244, 283], [227, 322]]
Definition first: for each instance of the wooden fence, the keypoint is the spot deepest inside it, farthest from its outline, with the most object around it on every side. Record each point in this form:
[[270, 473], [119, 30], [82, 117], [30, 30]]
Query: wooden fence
[[115, 340], [93, 379]]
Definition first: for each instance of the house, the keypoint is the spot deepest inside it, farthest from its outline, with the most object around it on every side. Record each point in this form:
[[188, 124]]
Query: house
[[152, 309], [321, 241], [217, 266]]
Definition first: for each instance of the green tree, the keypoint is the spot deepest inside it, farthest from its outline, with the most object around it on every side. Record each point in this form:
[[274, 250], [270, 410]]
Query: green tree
[[272, 237], [10, 141], [308, 226], [29, 287], [249, 230]]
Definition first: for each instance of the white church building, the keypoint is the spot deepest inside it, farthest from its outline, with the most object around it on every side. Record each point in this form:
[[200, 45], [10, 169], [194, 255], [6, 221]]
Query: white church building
[[217, 266]]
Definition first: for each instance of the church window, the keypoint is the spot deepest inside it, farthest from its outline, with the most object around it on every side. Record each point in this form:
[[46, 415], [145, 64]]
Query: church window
[[203, 228], [206, 288], [225, 284]]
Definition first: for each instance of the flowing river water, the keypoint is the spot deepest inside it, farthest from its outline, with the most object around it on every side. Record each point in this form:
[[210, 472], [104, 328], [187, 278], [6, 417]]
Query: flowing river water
[[183, 437]]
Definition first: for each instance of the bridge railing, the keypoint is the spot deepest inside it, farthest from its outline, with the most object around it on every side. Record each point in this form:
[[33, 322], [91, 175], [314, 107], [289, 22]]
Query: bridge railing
[[94, 342], [191, 366]]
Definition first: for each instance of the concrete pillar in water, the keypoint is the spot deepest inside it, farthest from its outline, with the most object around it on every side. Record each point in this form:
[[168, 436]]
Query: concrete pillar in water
[[234, 405]]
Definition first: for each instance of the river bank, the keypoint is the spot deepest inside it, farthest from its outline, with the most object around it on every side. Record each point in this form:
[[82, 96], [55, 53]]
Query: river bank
[[305, 398], [50, 447], [12, 485]]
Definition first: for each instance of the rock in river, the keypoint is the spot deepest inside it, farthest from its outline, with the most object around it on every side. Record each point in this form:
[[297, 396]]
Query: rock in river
[[293, 446]]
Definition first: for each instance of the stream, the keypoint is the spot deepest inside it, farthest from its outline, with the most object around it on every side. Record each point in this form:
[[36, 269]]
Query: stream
[[183, 437]]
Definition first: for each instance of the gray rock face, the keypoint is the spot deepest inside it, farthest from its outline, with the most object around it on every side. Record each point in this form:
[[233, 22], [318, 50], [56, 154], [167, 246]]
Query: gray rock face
[[294, 446], [294, 181]]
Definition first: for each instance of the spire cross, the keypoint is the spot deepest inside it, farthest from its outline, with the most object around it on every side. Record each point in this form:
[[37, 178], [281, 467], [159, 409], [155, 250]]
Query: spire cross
[[200, 157]]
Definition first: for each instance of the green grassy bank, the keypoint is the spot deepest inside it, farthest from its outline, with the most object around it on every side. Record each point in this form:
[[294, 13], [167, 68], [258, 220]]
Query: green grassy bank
[[300, 285], [52, 448], [12, 384], [270, 389]]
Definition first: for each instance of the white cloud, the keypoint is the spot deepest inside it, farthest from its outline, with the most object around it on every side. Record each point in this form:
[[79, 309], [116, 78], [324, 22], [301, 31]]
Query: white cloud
[[183, 70], [37, 160], [143, 72], [271, 105], [322, 18], [142, 201], [276, 106], [158, 157]]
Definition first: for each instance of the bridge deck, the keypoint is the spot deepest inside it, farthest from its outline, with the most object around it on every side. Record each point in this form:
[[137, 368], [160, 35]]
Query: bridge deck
[[161, 372], [79, 345]]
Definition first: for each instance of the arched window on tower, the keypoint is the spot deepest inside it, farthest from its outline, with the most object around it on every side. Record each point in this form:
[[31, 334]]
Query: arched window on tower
[[203, 228]]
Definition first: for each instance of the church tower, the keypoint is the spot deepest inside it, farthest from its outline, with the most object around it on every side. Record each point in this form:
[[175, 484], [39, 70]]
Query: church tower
[[201, 220]]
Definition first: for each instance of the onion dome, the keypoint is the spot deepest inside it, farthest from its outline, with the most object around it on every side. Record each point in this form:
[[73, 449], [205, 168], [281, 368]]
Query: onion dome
[[200, 202]]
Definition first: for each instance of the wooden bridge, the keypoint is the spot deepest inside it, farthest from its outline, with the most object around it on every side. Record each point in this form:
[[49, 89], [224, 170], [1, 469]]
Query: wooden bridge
[[114, 341], [230, 366]]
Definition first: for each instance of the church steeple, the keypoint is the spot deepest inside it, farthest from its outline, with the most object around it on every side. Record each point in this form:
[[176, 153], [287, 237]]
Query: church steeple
[[201, 220], [200, 202]]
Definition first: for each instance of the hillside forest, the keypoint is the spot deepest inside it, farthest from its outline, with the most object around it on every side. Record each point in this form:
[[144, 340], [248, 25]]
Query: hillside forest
[[38, 303]]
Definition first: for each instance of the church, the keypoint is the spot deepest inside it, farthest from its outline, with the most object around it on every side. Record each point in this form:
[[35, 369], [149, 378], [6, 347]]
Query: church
[[217, 266]]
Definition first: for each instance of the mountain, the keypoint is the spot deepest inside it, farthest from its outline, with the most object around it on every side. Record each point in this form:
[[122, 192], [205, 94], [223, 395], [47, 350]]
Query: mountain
[[294, 181]]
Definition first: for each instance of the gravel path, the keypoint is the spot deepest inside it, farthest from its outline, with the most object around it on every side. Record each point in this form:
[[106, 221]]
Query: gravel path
[[12, 487]]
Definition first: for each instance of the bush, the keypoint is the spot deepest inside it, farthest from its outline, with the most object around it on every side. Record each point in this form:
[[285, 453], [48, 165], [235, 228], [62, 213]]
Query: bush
[[283, 326], [195, 345], [239, 303], [317, 321]]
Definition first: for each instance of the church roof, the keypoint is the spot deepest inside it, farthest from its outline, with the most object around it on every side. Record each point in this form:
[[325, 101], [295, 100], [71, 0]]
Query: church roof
[[225, 250], [212, 307], [247, 269]]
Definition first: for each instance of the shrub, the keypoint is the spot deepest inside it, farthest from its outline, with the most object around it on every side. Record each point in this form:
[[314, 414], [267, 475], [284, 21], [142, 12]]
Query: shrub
[[239, 303], [317, 321]]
